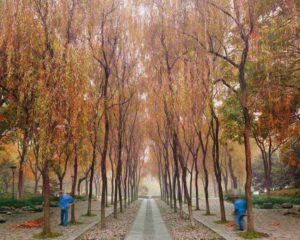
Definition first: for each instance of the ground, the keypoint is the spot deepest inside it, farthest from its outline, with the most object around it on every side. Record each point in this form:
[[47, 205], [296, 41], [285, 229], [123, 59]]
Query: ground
[[181, 228], [270, 221], [156, 220], [116, 228], [9, 233]]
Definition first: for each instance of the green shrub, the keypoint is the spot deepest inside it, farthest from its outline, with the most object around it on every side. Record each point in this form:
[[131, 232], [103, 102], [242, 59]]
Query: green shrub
[[260, 200], [80, 197], [221, 222], [28, 200]]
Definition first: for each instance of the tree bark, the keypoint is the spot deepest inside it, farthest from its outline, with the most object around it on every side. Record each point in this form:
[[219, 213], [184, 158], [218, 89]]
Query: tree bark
[[75, 173], [230, 166], [206, 178], [196, 185], [247, 131], [46, 196], [216, 157], [103, 160], [90, 192]]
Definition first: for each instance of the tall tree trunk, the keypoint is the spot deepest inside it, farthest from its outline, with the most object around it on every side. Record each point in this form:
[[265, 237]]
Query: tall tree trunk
[[106, 195], [187, 196], [175, 156], [46, 197], [180, 158], [81, 180], [36, 182], [191, 185], [25, 142], [90, 194], [128, 187], [174, 192], [75, 173], [112, 190], [247, 131], [60, 180], [196, 184], [86, 187], [116, 197], [170, 186], [20, 180], [125, 185], [269, 174], [103, 160], [112, 175], [206, 178], [230, 166], [120, 197]]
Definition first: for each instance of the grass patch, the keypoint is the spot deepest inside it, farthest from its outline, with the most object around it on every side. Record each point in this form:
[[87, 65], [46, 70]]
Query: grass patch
[[187, 228], [76, 223], [221, 222], [81, 197], [89, 215], [252, 235], [46, 235], [211, 214]]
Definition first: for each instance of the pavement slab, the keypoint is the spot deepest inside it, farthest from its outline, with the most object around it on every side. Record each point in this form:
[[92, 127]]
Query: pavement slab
[[148, 224]]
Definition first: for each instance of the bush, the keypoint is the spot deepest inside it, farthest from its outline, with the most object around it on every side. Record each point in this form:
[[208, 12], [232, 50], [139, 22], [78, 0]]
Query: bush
[[261, 200], [80, 197], [32, 201], [29, 200]]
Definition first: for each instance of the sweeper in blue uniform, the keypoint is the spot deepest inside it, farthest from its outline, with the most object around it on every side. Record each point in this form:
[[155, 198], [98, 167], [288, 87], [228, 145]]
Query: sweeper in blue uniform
[[64, 203], [240, 207]]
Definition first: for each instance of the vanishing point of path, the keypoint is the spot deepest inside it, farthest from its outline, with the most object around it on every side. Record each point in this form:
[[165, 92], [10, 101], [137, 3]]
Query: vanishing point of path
[[148, 224]]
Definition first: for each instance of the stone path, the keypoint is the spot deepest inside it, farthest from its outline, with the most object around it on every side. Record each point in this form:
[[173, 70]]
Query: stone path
[[148, 224]]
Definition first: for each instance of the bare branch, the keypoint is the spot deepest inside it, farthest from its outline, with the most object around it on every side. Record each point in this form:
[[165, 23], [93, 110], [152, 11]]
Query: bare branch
[[227, 85]]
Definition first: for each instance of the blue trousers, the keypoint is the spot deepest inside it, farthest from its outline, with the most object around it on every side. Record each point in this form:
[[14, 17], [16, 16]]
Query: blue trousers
[[239, 219], [64, 216]]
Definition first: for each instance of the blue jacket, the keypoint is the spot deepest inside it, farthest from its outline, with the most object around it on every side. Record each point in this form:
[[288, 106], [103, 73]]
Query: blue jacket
[[65, 200], [240, 206]]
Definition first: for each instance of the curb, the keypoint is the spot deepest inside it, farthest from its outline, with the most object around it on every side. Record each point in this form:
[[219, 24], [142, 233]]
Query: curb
[[78, 235], [212, 228], [86, 228]]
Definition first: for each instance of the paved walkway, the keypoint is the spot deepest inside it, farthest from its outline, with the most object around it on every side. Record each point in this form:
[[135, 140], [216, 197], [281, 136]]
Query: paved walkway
[[148, 224]]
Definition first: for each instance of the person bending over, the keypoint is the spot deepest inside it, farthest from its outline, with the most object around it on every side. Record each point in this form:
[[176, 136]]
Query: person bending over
[[240, 207]]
